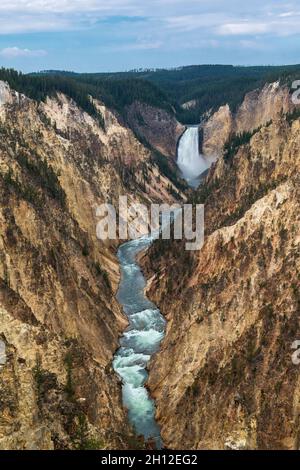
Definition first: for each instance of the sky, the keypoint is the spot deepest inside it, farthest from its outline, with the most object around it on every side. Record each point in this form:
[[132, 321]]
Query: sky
[[115, 35]]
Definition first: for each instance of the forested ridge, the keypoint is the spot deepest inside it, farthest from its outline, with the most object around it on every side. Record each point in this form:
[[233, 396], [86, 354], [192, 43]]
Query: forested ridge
[[116, 94], [206, 86], [38, 87], [209, 86]]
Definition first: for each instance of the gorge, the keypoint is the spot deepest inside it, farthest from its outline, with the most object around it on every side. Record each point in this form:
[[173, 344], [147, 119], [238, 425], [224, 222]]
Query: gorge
[[102, 342]]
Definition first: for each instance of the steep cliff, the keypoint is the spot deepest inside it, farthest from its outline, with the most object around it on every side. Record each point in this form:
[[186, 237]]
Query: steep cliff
[[224, 377], [258, 108], [59, 321], [156, 126]]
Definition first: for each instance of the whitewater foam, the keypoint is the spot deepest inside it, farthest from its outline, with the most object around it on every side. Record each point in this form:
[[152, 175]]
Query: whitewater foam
[[141, 339], [191, 163]]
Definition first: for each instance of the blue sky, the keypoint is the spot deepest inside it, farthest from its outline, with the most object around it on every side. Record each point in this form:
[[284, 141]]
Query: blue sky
[[111, 35]]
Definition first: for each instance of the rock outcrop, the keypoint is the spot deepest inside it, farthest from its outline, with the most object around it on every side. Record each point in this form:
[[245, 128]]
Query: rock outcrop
[[258, 108], [157, 126], [216, 132]]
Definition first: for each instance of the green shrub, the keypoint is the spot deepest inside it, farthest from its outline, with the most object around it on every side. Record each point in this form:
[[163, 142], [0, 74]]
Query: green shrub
[[81, 439], [23, 190], [85, 250], [43, 174], [69, 387], [293, 116], [103, 273]]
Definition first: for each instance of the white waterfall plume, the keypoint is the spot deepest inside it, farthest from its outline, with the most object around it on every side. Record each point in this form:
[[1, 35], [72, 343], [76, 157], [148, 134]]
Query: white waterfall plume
[[191, 163]]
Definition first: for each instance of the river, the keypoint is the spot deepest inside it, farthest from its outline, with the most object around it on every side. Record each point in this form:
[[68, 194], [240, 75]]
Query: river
[[146, 327], [141, 339]]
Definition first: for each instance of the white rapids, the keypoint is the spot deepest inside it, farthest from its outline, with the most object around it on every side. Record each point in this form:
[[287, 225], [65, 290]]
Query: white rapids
[[141, 339]]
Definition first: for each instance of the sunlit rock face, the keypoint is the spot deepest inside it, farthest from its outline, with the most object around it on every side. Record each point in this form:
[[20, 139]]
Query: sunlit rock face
[[258, 108], [5, 94], [216, 131]]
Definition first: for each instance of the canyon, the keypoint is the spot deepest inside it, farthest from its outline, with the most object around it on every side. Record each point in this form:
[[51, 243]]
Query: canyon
[[223, 376]]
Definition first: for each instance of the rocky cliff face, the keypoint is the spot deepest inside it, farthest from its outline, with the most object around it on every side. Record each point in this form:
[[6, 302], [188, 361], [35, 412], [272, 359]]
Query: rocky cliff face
[[224, 378], [59, 321], [258, 108], [156, 126], [216, 132]]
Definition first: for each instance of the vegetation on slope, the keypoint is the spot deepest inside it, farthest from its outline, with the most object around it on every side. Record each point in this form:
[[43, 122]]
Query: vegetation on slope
[[38, 87], [237, 140], [208, 86]]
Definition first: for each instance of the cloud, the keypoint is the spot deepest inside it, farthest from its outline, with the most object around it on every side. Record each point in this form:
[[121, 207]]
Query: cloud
[[26, 16], [68, 6], [12, 52], [288, 14], [186, 23], [143, 45], [251, 44], [242, 28], [223, 18], [203, 30]]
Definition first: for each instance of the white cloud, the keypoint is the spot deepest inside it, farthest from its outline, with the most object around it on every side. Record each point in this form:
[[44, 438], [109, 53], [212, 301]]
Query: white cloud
[[288, 14], [30, 24], [187, 23], [210, 18], [26, 16], [139, 45], [143, 45], [12, 52], [67, 6], [242, 28]]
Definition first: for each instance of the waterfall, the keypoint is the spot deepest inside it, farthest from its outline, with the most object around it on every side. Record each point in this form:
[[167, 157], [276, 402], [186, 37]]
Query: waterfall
[[191, 163]]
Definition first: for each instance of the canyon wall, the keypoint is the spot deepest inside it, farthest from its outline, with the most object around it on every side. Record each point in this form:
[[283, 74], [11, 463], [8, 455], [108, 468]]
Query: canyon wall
[[224, 378], [259, 107], [59, 320], [156, 126]]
